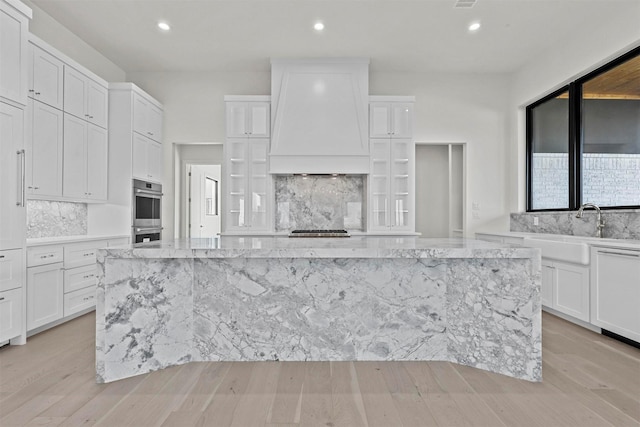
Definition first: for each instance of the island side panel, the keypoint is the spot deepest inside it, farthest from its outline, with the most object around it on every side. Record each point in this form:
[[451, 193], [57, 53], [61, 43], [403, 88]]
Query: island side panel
[[494, 315], [319, 309], [144, 316]]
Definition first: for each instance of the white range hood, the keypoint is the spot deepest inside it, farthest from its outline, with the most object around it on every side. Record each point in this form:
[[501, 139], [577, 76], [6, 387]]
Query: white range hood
[[319, 116]]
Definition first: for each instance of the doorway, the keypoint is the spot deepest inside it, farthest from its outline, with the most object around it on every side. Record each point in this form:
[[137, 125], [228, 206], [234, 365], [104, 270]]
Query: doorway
[[203, 206], [440, 189]]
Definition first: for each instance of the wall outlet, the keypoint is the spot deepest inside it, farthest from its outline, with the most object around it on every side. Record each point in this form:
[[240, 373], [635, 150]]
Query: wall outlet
[[475, 206], [535, 220], [475, 215]]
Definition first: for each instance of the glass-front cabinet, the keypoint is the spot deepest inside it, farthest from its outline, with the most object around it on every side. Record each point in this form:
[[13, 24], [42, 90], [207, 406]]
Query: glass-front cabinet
[[391, 185], [248, 196]]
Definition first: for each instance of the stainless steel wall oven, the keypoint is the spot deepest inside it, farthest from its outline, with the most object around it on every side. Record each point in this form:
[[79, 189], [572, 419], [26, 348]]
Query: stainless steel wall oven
[[147, 211]]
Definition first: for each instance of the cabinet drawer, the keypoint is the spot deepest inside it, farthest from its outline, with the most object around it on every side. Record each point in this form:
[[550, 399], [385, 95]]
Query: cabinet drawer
[[11, 269], [11, 317], [79, 254], [79, 300], [79, 277], [42, 255]]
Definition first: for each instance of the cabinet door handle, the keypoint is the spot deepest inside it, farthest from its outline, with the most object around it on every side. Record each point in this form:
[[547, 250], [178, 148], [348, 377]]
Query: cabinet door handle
[[1, 298], [21, 161], [1, 256], [620, 254], [31, 90], [37, 93]]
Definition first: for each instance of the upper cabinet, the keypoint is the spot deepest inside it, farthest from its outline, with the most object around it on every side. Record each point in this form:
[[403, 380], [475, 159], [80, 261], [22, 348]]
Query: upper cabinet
[[85, 160], [46, 77], [147, 118], [390, 119], [44, 150], [85, 98], [248, 119], [14, 31], [12, 177]]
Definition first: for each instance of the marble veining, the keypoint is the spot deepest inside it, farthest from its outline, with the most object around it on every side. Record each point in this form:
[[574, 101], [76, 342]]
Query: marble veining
[[619, 224], [167, 303], [319, 202], [52, 219]]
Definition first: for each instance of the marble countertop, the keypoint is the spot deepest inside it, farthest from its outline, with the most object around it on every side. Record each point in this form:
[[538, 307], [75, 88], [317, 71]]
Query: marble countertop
[[352, 247], [71, 239]]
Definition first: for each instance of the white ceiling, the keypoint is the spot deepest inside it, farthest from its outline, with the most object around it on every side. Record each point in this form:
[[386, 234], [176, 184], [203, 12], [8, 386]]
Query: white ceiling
[[398, 35]]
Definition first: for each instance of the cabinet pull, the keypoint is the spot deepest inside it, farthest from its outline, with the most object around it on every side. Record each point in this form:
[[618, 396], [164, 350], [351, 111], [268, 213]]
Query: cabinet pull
[[37, 93], [620, 253], [31, 90], [1, 298], [1, 256], [21, 159]]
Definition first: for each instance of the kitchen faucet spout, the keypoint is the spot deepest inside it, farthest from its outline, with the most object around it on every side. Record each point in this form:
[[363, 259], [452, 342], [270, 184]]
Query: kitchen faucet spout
[[599, 220]]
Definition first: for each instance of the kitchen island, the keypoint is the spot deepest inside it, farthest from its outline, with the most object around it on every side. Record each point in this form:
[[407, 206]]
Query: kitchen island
[[470, 302]]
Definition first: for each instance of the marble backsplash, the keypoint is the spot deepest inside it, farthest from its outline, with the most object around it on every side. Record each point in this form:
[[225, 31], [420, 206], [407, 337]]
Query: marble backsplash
[[319, 202], [619, 224], [54, 219]]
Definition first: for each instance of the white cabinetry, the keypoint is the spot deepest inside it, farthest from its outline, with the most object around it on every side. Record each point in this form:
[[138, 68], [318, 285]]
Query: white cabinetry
[[565, 288], [249, 186], [85, 97], [135, 126], [147, 118], [12, 177], [85, 160], [147, 159], [14, 31], [391, 185], [248, 119], [12, 279], [615, 291], [390, 119], [44, 148], [46, 77], [44, 286], [392, 165]]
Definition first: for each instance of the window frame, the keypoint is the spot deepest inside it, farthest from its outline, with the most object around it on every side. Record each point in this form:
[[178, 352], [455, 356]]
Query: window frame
[[575, 137]]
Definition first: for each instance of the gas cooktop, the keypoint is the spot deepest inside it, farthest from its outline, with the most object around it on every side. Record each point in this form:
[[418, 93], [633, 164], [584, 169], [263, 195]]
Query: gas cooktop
[[319, 233]]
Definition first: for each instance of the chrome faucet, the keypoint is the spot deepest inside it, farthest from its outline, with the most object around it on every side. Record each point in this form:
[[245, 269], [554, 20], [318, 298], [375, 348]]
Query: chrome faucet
[[599, 221]]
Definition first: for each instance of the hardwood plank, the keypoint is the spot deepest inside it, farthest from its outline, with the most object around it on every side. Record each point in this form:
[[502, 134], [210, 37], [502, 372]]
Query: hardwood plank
[[316, 408], [408, 401], [348, 407], [445, 410], [378, 403], [104, 402], [206, 386], [220, 410], [622, 401], [28, 411], [423, 377], [586, 397], [253, 407], [45, 421], [288, 399]]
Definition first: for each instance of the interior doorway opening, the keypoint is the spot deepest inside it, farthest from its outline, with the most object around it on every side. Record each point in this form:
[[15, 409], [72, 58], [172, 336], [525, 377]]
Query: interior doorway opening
[[203, 205]]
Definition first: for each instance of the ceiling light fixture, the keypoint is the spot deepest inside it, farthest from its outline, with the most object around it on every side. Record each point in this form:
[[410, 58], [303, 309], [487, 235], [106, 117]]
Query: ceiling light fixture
[[474, 27], [163, 26], [318, 26]]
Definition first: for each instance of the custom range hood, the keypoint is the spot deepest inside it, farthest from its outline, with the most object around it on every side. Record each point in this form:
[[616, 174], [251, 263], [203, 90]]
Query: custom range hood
[[319, 116]]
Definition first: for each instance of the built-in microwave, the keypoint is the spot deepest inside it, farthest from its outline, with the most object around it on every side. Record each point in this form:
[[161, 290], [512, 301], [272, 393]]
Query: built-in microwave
[[147, 210]]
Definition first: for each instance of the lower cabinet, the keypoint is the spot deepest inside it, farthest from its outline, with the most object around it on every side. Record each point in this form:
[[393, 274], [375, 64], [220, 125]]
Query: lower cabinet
[[79, 300], [565, 288], [44, 295], [10, 314], [615, 291]]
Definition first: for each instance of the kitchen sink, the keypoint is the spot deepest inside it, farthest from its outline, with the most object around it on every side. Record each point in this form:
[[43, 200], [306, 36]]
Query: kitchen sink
[[573, 249]]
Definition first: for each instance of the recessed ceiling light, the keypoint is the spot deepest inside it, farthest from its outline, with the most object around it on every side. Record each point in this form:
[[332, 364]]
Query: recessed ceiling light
[[318, 26], [474, 27], [163, 26]]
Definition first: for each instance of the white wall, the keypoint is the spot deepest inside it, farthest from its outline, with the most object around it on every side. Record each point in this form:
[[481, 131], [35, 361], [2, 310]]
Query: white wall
[[586, 49], [449, 108], [51, 31]]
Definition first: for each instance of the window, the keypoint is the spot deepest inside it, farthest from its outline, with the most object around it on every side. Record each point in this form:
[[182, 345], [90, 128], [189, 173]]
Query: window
[[211, 196], [583, 141]]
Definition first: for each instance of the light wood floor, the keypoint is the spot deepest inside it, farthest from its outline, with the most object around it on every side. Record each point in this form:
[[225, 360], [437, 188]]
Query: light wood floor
[[589, 380]]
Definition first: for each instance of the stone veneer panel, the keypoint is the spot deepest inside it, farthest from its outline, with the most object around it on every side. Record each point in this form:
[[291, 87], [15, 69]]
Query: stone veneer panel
[[619, 224], [319, 202], [53, 219]]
